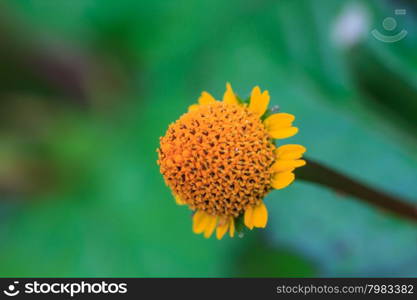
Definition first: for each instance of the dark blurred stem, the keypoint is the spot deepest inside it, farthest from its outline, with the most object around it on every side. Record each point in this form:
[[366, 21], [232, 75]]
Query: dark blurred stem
[[328, 177]]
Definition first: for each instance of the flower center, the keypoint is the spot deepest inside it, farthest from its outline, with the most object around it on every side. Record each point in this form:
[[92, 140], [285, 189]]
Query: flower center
[[217, 158]]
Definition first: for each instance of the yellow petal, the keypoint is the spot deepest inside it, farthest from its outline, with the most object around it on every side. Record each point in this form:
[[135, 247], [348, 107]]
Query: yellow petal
[[248, 218], [193, 107], [287, 165], [200, 221], [283, 133], [211, 225], [282, 180], [258, 101], [206, 98], [288, 152], [260, 215], [278, 121], [229, 96], [232, 227], [222, 228], [178, 200]]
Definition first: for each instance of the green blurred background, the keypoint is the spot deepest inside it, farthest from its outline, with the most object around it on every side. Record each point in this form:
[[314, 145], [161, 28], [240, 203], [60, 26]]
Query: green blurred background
[[87, 87]]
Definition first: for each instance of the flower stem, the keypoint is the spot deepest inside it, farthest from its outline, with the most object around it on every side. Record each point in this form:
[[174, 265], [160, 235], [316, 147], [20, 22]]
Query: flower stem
[[326, 176]]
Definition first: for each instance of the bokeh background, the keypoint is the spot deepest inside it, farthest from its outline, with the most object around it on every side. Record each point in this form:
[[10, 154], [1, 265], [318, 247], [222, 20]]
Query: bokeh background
[[87, 87]]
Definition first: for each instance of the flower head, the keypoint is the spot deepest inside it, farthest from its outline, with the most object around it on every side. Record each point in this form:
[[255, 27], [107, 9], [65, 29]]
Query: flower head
[[220, 159]]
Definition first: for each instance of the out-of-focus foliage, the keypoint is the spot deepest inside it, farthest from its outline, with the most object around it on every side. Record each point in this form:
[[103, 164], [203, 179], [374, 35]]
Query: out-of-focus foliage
[[87, 87]]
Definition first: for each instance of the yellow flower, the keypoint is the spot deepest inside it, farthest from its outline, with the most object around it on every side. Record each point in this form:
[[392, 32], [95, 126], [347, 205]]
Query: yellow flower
[[220, 159]]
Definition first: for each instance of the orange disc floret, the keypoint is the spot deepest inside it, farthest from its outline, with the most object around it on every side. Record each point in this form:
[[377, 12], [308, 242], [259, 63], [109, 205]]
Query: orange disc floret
[[218, 159]]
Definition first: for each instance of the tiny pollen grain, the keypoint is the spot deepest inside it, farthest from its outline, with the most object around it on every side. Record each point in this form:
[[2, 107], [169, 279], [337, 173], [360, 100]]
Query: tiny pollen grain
[[217, 158]]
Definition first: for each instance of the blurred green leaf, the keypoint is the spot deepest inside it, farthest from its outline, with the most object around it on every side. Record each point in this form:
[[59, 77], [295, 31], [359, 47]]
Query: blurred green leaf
[[260, 259]]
